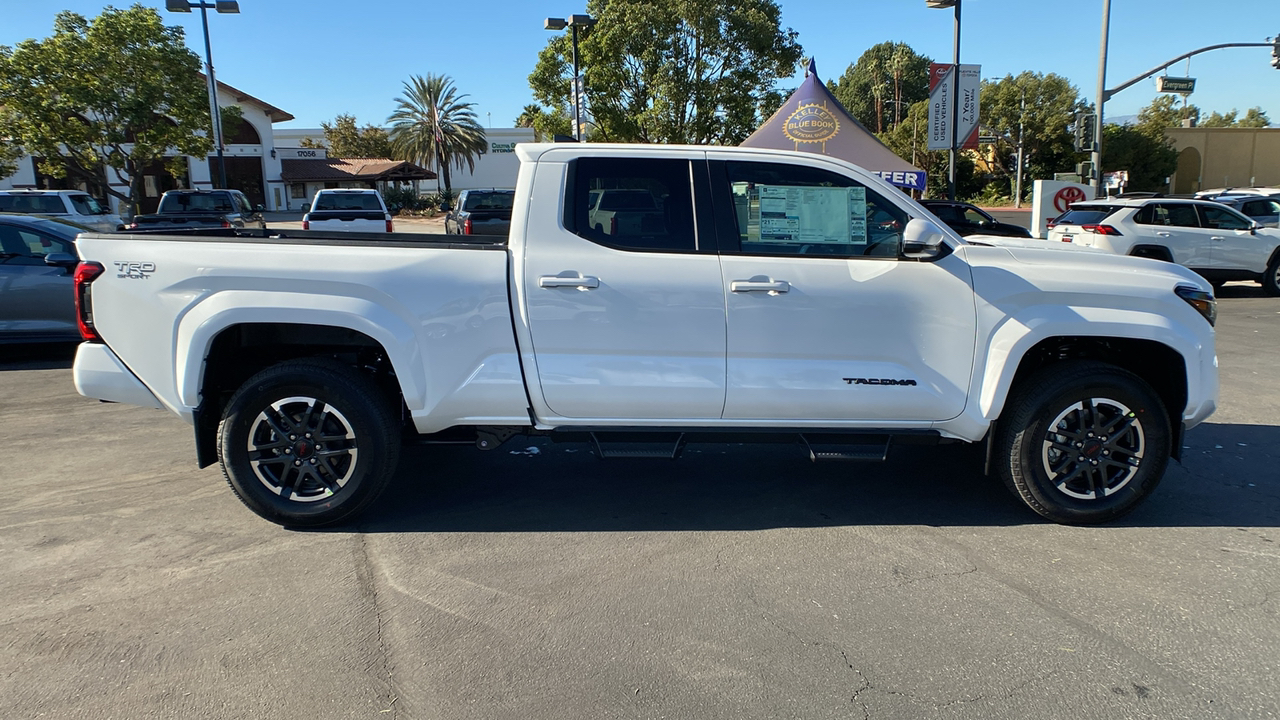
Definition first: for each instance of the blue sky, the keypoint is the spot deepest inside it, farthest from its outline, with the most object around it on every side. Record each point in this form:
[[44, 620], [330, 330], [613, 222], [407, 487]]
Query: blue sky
[[318, 58]]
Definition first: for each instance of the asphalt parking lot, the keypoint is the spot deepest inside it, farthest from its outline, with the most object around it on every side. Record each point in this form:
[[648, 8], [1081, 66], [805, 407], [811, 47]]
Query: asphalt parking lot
[[539, 582]]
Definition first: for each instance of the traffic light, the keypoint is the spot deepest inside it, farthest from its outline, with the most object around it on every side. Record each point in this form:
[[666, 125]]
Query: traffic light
[[1275, 53], [1084, 132]]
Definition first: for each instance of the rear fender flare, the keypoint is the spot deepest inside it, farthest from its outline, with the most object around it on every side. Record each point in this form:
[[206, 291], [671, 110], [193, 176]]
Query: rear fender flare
[[198, 327]]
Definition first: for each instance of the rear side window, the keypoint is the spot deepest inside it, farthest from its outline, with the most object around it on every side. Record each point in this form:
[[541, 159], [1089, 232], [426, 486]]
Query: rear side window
[[33, 204], [1171, 214], [1090, 215], [347, 201], [633, 204], [1261, 208]]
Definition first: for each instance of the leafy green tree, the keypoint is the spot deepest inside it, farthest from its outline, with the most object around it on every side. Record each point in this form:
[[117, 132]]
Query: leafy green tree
[[672, 71], [1038, 108], [435, 127], [886, 79], [1164, 112], [121, 91], [9, 154], [1254, 117], [546, 124], [344, 139], [1145, 153]]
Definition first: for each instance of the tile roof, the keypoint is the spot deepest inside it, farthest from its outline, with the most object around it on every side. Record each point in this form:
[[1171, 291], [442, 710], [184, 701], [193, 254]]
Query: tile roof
[[303, 169]]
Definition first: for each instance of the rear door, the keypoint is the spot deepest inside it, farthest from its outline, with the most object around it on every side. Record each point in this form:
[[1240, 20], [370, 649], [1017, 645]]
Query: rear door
[[827, 321], [1175, 227], [625, 321]]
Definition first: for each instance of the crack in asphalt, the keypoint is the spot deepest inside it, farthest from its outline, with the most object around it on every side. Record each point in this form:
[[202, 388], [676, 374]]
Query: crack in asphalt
[[369, 589]]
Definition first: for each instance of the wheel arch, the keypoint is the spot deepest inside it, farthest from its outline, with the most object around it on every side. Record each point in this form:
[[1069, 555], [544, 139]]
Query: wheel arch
[[1155, 252]]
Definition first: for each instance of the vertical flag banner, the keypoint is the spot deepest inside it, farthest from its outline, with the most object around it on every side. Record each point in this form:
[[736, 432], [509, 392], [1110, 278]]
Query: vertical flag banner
[[940, 105]]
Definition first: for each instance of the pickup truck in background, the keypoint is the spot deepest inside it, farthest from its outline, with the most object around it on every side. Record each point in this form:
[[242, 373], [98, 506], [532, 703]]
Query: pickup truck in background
[[200, 209], [480, 212], [768, 296], [348, 210]]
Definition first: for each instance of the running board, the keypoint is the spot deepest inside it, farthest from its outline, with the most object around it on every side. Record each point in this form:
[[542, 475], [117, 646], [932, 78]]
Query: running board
[[823, 448], [620, 447]]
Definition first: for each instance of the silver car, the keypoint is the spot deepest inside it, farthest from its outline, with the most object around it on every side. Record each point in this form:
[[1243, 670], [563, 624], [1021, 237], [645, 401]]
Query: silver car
[[1263, 210], [37, 262]]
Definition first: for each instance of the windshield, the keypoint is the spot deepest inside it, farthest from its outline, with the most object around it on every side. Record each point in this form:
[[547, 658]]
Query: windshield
[[194, 202], [87, 205], [489, 201], [33, 204], [1086, 215], [347, 201]]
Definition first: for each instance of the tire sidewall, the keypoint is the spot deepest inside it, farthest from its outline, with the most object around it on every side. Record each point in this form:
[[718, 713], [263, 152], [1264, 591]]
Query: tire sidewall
[[1064, 508], [233, 436]]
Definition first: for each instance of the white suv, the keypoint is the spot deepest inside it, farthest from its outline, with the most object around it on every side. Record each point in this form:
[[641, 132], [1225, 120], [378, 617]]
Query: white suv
[[1214, 240], [76, 206]]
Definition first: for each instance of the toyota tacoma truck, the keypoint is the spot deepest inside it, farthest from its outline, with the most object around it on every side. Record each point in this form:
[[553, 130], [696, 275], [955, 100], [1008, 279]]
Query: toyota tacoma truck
[[767, 299], [347, 210]]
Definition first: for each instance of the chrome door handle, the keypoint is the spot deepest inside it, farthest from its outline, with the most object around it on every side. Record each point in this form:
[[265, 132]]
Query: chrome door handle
[[1219, 238], [580, 282], [1164, 234], [778, 286]]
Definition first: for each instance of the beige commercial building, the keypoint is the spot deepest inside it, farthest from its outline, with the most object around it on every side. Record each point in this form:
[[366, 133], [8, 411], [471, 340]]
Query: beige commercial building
[[1225, 157]]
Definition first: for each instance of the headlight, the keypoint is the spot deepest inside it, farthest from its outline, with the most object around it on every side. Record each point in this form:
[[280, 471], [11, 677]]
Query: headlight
[[1203, 302]]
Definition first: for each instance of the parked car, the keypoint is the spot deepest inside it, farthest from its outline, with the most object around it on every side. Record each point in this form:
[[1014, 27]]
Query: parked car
[[201, 209], [480, 212], [37, 261], [347, 210], [302, 360], [1263, 210], [1257, 191], [75, 205], [969, 219], [1214, 240]]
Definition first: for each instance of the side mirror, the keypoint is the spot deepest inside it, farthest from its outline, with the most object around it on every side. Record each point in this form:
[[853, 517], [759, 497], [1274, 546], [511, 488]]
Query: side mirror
[[61, 259], [921, 239], [259, 208], [306, 207]]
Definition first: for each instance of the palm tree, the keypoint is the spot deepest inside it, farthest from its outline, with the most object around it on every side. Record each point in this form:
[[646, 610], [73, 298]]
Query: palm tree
[[529, 116], [433, 127]]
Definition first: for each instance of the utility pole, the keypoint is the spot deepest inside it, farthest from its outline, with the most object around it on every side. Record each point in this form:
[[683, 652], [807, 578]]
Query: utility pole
[[1017, 192], [1095, 174], [955, 109]]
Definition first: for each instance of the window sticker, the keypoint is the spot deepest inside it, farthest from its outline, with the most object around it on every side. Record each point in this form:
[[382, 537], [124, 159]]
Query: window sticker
[[806, 215]]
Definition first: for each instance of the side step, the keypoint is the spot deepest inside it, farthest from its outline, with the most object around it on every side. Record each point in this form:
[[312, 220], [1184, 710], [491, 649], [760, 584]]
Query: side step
[[873, 448], [637, 445]]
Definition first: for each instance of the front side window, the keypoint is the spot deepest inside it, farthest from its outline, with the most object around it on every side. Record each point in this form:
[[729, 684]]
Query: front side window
[[633, 204], [1224, 218], [799, 210]]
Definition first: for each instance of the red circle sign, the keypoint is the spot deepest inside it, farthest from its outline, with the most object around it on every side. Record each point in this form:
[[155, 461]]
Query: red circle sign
[[1067, 195]]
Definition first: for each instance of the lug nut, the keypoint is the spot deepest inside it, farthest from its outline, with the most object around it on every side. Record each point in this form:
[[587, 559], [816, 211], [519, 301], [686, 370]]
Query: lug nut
[[288, 451], [293, 437], [309, 435], [297, 462]]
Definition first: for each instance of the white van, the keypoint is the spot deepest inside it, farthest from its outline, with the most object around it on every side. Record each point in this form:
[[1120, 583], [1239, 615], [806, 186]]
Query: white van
[[76, 206]]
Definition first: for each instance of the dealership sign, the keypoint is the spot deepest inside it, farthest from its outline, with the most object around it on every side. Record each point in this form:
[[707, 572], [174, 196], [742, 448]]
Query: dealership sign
[[942, 105]]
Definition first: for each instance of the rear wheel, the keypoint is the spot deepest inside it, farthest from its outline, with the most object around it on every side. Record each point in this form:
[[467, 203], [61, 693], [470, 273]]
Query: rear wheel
[[308, 443], [1083, 442], [1271, 278]]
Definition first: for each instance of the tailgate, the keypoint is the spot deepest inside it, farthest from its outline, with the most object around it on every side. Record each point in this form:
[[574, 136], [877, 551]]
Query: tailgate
[[347, 220]]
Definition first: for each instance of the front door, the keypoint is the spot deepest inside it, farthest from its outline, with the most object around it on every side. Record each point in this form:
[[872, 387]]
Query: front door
[[1232, 244], [827, 321], [626, 314], [1176, 227]]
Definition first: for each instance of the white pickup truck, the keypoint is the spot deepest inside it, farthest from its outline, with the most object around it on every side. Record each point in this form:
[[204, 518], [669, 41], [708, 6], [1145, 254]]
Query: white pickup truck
[[347, 210], [777, 296]]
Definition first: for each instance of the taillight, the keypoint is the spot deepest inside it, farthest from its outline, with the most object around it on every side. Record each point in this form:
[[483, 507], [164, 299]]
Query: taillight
[[133, 226], [306, 224], [466, 226], [226, 223], [1100, 229], [86, 272], [389, 225]]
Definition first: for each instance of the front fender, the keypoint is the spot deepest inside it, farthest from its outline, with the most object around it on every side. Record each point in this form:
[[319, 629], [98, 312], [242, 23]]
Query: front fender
[[201, 323]]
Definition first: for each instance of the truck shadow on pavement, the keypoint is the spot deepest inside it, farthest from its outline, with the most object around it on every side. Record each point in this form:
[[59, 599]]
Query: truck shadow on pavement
[[37, 356], [1227, 478]]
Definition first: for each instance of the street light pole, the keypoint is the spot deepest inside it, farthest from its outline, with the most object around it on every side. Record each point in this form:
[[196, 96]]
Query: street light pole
[[577, 88], [1095, 157], [955, 109], [215, 115]]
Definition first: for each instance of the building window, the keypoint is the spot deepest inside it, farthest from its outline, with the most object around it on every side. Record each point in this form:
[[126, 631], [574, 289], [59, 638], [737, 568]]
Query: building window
[[298, 191]]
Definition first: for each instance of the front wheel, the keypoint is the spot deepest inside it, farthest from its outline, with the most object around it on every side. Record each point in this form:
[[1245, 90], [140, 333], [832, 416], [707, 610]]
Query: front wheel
[[1082, 442], [1271, 279], [308, 443]]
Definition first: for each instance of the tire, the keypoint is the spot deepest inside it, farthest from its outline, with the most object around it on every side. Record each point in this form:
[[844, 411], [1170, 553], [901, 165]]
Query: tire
[[269, 459], [1097, 410], [1271, 278]]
